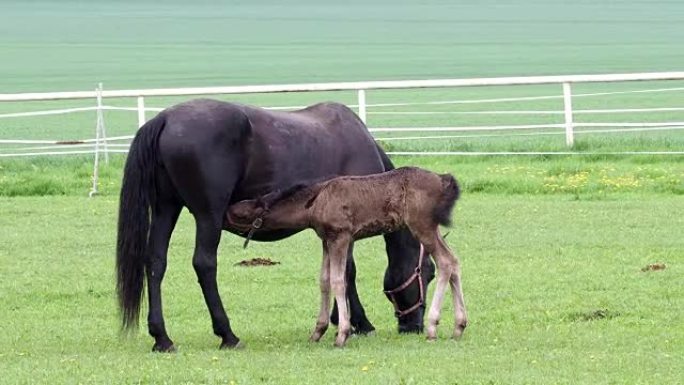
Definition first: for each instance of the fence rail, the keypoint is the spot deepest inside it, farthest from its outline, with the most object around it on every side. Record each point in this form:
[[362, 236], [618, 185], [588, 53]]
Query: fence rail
[[349, 86], [102, 145]]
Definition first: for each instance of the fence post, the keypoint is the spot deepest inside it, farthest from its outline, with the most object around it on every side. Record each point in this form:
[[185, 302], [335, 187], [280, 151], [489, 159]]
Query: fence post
[[101, 123], [141, 111], [567, 103], [96, 165], [362, 105]]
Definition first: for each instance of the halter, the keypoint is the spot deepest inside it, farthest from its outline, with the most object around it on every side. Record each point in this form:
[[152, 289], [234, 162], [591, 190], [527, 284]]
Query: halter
[[415, 276], [255, 226]]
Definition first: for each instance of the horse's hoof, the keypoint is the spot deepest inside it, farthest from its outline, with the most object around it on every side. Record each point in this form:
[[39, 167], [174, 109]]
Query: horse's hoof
[[364, 330], [340, 344], [315, 337], [430, 339], [164, 348], [232, 345]]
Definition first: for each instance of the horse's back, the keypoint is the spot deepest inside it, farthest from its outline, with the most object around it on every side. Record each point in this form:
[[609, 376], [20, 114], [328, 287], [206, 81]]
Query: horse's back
[[328, 119]]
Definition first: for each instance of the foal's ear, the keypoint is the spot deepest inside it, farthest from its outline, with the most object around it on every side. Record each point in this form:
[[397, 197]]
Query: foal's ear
[[265, 201], [311, 200], [317, 192]]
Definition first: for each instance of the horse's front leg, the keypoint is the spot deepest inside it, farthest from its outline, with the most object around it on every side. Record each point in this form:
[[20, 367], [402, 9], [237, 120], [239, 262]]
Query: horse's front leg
[[359, 322], [338, 255], [322, 322]]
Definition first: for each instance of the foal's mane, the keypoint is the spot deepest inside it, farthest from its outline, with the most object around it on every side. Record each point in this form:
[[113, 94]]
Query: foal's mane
[[277, 196]]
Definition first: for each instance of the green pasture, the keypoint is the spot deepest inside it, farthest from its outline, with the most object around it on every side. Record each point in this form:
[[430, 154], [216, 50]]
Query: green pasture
[[552, 247], [554, 288], [69, 45]]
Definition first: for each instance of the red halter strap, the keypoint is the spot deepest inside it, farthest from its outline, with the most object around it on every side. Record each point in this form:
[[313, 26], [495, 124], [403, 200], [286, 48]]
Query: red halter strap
[[415, 276]]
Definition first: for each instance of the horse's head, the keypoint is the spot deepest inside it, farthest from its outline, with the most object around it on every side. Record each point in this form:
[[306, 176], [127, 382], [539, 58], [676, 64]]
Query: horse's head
[[406, 280]]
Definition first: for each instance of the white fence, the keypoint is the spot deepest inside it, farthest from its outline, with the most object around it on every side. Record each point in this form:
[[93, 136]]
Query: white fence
[[101, 145]]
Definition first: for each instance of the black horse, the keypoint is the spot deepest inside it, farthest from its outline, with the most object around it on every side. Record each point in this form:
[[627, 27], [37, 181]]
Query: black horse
[[206, 154]]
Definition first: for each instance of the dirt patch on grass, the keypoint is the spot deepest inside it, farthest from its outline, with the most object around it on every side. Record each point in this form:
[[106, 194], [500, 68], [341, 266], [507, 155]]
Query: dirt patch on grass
[[593, 315], [257, 262], [653, 267]]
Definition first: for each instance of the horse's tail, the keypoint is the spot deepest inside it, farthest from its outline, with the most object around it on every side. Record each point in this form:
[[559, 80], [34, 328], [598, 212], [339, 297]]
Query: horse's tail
[[450, 193], [137, 197]]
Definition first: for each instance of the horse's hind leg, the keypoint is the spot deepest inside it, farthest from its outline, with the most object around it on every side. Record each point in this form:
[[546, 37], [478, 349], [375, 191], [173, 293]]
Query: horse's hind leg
[[322, 322], [448, 271], [461, 317], [430, 240], [164, 217], [204, 261], [443, 273], [205, 184]]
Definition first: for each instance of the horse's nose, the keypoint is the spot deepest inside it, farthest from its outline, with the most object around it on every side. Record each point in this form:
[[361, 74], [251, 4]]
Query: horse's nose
[[412, 322]]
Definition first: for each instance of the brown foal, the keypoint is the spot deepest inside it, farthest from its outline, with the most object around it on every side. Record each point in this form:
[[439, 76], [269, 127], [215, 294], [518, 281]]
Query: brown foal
[[348, 208]]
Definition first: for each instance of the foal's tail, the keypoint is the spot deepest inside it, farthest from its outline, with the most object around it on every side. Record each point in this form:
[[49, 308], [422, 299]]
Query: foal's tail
[[450, 193], [137, 196]]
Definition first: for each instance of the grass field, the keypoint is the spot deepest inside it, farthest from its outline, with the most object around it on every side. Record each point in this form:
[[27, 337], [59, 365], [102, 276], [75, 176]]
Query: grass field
[[553, 285], [552, 247]]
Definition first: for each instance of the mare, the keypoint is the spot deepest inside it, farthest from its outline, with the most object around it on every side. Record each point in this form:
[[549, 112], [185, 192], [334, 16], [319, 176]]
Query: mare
[[348, 208], [206, 154]]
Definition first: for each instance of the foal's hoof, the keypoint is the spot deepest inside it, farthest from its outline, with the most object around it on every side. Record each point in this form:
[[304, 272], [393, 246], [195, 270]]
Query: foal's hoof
[[237, 345], [458, 332], [341, 339], [164, 348], [431, 333]]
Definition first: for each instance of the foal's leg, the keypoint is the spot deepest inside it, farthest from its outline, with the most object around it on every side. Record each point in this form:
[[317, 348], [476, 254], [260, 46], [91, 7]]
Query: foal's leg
[[460, 315], [449, 271], [359, 321], [164, 217], [443, 274], [322, 322], [338, 255]]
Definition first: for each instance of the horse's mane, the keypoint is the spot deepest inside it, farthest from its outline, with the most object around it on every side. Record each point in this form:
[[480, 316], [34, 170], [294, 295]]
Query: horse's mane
[[277, 196]]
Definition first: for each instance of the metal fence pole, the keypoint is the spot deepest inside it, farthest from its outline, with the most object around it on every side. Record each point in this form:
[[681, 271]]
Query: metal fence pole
[[101, 123], [362, 105], [141, 111], [96, 165], [567, 103]]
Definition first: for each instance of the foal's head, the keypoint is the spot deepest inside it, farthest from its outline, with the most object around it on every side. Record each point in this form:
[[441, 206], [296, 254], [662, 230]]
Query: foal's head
[[242, 215], [275, 210]]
